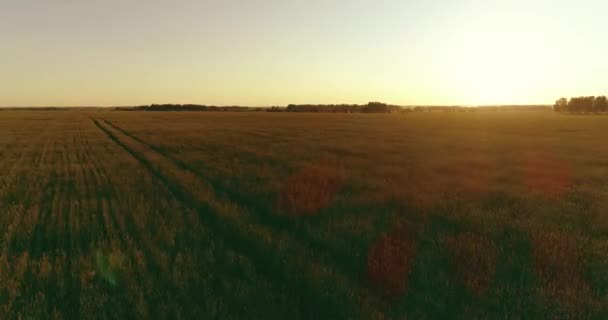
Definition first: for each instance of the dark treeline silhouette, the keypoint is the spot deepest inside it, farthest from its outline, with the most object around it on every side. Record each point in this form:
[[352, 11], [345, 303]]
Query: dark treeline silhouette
[[372, 107], [50, 108], [347, 108], [186, 107], [588, 104]]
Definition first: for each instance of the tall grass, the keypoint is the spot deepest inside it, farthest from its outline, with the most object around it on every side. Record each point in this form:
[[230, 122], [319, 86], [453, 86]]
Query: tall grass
[[222, 215]]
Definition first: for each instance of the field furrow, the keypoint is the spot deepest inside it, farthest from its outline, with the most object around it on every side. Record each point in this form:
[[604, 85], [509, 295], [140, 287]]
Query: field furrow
[[257, 241], [259, 212]]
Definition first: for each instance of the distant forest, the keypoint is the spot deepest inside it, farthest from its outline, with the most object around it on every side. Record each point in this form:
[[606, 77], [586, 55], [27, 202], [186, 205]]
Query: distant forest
[[185, 107], [371, 107], [579, 105]]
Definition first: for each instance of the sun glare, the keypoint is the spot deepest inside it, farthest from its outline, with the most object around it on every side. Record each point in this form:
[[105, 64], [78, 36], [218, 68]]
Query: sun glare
[[488, 79], [492, 62]]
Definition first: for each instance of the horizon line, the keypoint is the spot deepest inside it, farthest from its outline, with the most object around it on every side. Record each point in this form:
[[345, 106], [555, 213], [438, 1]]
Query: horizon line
[[271, 106]]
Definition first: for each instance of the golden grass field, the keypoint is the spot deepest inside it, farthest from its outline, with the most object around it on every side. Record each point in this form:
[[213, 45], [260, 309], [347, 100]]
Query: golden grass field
[[188, 215]]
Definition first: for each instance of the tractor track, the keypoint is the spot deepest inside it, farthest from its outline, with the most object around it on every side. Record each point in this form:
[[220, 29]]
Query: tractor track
[[270, 263]]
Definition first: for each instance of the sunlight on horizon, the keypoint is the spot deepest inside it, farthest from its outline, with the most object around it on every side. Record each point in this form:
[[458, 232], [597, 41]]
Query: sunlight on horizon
[[467, 52]]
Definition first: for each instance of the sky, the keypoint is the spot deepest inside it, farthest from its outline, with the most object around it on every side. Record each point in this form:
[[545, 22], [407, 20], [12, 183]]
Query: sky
[[276, 52]]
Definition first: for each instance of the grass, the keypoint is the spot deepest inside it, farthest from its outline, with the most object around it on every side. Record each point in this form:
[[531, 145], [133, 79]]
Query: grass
[[270, 215]]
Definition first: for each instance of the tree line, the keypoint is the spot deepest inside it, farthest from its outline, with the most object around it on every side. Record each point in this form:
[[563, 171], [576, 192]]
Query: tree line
[[184, 107], [563, 105], [587, 104], [371, 107]]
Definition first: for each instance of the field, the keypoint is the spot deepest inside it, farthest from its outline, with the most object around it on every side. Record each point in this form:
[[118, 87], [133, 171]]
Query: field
[[178, 215]]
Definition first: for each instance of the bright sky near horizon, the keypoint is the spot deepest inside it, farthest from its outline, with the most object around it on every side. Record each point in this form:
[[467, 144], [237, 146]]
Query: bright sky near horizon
[[275, 52]]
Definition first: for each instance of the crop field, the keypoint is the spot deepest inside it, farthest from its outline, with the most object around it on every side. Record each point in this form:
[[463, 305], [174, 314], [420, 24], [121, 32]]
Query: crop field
[[204, 215]]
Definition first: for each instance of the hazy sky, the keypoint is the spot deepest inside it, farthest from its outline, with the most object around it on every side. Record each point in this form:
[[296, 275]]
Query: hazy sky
[[275, 52]]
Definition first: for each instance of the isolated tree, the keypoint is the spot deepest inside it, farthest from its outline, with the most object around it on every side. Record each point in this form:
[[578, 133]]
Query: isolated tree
[[600, 104]]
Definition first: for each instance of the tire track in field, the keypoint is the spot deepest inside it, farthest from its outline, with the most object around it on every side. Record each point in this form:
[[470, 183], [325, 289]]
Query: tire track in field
[[254, 241], [98, 201], [165, 285], [175, 191], [105, 214], [137, 244], [88, 182], [143, 244], [106, 211], [340, 260], [115, 226]]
